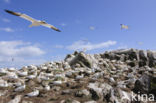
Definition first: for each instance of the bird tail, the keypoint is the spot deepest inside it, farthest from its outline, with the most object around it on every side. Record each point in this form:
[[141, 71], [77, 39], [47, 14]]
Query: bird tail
[[30, 25]]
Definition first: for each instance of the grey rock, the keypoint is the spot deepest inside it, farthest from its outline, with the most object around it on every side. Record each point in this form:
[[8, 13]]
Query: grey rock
[[143, 84]]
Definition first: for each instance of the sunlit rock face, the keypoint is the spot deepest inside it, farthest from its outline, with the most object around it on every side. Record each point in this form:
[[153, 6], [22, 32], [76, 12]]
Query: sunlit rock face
[[109, 77]]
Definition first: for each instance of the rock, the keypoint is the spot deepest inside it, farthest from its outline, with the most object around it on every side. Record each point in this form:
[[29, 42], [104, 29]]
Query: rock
[[27, 101], [79, 93], [66, 66], [143, 84], [87, 78], [143, 58], [82, 93], [152, 58], [95, 91], [17, 99], [69, 101], [82, 59], [3, 92]]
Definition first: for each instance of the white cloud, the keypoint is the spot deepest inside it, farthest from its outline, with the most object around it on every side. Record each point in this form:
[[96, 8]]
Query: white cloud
[[7, 29], [79, 45], [59, 46], [5, 20], [23, 52], [19, 48], [7, 1]]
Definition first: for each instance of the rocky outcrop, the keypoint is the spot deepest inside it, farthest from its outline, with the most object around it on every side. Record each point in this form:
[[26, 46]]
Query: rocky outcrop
[[110, 77]]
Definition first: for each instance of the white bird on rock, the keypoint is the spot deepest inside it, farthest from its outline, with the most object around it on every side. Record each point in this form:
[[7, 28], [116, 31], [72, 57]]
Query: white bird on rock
[[34, 21], [33, 94], [20, 88]]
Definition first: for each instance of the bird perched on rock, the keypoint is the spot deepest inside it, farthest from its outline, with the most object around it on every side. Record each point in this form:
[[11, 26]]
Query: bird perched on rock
[[34, 21], [124, 26], [33, 94], [20, 88]]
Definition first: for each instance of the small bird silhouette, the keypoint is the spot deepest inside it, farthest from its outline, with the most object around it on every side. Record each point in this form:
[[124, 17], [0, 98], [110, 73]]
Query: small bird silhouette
[[124, 26]]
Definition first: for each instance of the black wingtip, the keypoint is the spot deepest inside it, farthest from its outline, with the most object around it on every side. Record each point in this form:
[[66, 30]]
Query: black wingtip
[[11, 12], [58, 30]]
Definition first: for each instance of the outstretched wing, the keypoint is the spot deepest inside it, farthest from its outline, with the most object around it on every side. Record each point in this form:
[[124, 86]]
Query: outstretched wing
[[24, 16], [50, 26]]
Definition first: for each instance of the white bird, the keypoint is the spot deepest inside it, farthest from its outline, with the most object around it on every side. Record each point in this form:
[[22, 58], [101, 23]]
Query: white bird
[[22, 73], [124, 26], [33, 94], [34, 21], [20, 88], [3, 83], [47, 87]]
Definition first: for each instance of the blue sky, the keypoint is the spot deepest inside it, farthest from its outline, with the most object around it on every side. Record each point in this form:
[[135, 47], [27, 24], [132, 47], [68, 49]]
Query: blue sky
[[91, 24]]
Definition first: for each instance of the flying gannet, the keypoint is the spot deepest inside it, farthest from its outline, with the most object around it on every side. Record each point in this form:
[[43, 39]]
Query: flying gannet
[[34, 21], [124, 26]]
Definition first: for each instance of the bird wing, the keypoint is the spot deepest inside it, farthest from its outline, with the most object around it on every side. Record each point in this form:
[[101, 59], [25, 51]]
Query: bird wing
[[124, 26], [50, 26], [24, 16]]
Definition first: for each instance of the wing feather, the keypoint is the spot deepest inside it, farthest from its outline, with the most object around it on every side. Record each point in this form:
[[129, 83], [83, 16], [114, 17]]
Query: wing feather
[[50, 26], [24, 16]]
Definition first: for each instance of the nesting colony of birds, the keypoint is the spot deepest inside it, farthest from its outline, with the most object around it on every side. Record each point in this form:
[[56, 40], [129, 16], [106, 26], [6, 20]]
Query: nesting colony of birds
[[109, 77]]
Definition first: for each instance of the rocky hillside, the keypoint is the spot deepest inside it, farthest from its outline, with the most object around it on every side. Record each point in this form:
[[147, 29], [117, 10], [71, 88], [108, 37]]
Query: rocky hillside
[[120, 76]]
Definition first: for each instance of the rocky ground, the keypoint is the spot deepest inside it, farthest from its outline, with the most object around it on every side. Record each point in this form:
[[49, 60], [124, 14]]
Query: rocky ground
[[110, 77]]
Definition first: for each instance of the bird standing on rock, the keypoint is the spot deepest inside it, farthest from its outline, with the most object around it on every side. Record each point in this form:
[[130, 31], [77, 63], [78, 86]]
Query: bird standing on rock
[[33, 94]]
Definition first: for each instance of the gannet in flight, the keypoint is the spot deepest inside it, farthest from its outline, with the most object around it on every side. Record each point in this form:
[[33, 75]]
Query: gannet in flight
[[124, 26], [34, 22]]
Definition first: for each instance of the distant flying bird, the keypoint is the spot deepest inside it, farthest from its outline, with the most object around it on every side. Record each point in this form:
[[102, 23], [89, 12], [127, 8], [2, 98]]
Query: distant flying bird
[[92, 28], [34, 22], [12, 59], [140, 43], [124, 26]]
